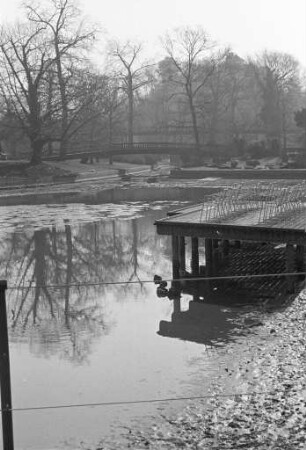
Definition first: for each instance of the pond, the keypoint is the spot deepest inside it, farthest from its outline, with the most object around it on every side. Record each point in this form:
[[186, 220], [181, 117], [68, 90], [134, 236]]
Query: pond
[[80, 335]]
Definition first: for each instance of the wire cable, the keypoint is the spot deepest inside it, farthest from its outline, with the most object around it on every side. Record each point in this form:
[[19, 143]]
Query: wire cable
[[111, 283], [138, 402]]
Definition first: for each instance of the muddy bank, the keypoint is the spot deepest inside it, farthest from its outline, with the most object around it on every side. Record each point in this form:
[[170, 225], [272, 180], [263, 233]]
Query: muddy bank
[[256, 402], [240, 174]]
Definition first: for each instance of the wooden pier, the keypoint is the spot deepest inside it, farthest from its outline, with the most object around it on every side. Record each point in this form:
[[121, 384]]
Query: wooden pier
[[219, 230]]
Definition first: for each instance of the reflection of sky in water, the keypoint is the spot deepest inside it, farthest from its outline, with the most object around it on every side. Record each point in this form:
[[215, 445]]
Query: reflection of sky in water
[[95, 343]]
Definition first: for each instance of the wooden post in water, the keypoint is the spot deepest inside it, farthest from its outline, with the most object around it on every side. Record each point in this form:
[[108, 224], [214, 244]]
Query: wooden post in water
[[209, 257], [175, 257], [195, 256], [5, 376], [182, 256], [225, 247], [300, 249], [237, 244], [215, 243], [216, 255]]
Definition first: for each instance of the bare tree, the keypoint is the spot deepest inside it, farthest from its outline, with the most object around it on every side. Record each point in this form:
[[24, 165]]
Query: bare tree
[[224, 96], [42, 76], [111, 102], [27, 67], [300, 121], [237, 81], [187, 48], [25, 61], [132, 73], [277, 77], [69, 36]]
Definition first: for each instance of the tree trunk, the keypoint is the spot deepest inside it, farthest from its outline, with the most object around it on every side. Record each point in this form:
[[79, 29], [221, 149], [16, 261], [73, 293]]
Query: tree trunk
[[64, 103], [110, 134], [63, 148], [213, 124], [194, 120], [50, 82], [37, 146], [283, 151], [215, 112], [131, 110], [110, 127]]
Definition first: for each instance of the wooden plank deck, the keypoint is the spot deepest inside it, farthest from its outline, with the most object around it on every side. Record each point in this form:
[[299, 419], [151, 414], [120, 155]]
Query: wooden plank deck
[[295, 218], [282, 226]]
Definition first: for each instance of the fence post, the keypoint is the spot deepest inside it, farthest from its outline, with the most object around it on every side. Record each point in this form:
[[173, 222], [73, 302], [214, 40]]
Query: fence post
[[5, 376]]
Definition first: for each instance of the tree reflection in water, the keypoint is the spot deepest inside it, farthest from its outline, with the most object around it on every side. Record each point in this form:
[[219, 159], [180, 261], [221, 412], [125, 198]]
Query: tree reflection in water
[[84, 255]]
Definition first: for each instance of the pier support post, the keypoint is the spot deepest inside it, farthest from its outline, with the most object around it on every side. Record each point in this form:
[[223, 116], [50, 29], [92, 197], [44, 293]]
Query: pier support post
[[225, 247], [5, 375], [300, 263], [182, 256], [237, 244], [216, 255], [209, 257], [175, 257], [290, 266], [195, 256], [215, 243]]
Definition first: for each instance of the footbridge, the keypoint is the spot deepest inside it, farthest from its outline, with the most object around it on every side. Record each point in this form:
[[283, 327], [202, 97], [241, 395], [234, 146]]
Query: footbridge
[[139, 148]]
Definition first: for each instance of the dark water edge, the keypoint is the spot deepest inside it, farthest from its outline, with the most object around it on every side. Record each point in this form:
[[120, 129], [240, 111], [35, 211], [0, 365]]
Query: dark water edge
[[113, 195]]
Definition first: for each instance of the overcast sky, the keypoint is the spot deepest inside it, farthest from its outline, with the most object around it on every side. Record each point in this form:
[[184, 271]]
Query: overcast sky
[[248, 26]]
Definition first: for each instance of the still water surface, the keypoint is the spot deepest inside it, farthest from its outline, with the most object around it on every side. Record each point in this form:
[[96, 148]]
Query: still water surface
[[96, 343]]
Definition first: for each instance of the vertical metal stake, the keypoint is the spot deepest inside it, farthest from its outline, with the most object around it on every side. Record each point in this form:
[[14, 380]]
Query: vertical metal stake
[[5, 376]]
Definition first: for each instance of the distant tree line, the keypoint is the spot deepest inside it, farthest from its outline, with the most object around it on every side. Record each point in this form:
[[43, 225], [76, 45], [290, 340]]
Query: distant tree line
[[52, 95]]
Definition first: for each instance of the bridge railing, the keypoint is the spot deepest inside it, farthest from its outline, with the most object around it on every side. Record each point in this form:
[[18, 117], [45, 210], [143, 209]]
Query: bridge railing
[[145, 145], [106, 150]]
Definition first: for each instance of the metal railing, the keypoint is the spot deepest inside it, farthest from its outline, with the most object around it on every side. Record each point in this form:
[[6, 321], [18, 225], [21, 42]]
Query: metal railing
[[268, 200]]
